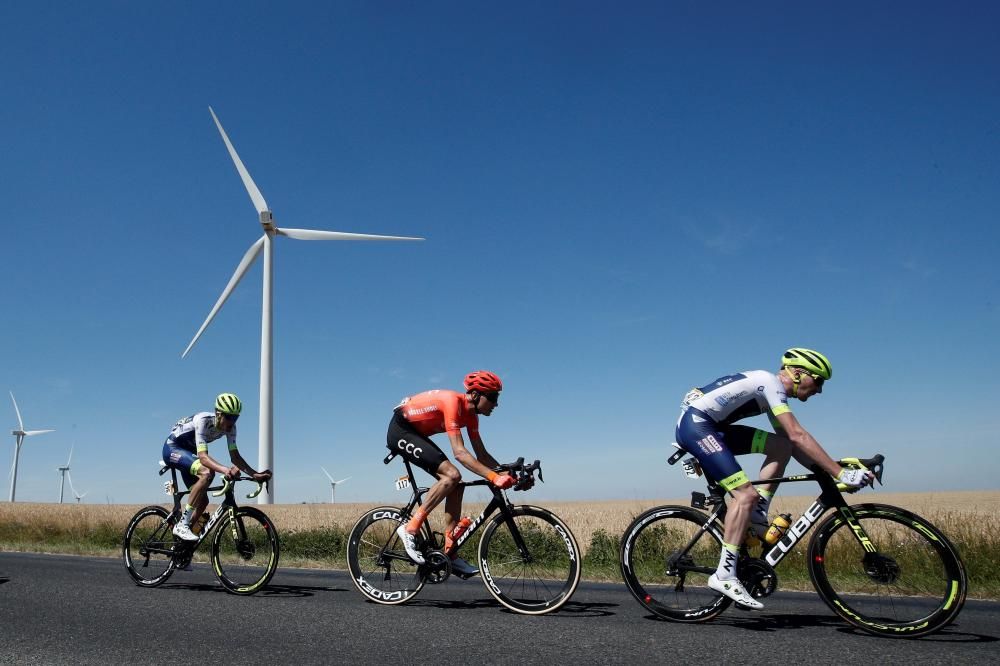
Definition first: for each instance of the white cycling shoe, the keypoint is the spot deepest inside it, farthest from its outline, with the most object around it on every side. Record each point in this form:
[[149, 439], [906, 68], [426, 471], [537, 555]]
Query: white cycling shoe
[[183, 531], [410, 544], [733, 588], [460, 566]]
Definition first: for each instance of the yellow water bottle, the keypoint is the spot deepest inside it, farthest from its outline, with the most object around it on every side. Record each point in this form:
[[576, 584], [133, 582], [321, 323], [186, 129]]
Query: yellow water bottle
[[779, 525]]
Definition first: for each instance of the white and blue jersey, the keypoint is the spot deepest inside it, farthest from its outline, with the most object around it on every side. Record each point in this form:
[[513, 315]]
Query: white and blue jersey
[[188, 438], [734, 397], [706, 426]]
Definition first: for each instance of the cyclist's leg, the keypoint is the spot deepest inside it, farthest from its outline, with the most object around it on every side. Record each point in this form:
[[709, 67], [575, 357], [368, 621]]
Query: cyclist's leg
[[196, 477], [699, 436], [198, 499], [777, 450], [403, 440]]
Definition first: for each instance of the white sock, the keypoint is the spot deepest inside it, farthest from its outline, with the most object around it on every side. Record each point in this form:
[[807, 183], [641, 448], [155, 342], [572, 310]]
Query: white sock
[[727, 561]]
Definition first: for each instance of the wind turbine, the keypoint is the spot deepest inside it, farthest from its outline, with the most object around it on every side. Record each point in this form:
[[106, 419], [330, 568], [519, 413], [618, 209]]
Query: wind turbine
[[333, 485], [77, 495], [62, 474], [266, 218], [19, 436]]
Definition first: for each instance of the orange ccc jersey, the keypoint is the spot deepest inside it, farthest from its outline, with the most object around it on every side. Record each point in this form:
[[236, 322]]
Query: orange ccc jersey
[[439, 410]]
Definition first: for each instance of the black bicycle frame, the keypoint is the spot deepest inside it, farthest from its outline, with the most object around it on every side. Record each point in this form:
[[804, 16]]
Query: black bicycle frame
[[830, 497], [228, 502], [498, 503]]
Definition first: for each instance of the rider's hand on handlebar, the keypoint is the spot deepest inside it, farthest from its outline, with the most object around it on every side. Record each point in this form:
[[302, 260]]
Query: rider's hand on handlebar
[[260, 477], [233, 473], [502, 481], [855, 479]]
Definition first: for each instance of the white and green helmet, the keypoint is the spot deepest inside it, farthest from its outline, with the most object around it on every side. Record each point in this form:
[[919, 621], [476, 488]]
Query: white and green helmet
[[228, 403], [809, 360]]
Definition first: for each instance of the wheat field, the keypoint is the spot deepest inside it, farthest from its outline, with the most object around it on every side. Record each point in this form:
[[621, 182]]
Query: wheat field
[[955, 511]]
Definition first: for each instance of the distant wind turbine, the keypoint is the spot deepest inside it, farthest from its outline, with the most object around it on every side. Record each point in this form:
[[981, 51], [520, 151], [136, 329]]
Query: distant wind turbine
[[333, 485], [62, 473], [19, 436], [77, 495], [266, 422]]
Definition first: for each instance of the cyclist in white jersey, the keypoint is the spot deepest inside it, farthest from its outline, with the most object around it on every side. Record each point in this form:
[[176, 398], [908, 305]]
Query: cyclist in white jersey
[[706, 430], [186, 450]]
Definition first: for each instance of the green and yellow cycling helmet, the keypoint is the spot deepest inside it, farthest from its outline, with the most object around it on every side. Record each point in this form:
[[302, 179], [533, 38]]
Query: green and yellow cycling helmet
[[228, 403], [809, 360]]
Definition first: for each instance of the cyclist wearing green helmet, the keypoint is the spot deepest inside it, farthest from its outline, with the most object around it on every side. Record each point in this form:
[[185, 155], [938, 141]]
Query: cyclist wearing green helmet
[[707, 430], [186, 450]]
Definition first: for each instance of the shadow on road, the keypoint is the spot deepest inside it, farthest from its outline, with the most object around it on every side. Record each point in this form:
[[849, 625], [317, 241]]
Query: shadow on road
[[279, 591], [4, 579], [570, 608], [765, 623], [949, 634]]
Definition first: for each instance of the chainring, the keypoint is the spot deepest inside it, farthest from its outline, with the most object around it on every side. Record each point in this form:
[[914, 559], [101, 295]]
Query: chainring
[[758, 577]]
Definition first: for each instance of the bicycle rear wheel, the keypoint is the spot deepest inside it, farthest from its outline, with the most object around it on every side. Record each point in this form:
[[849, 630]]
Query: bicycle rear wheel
[[245, 550], [667, 555], [147, 548], [534, 568], [379, 565], [908, 581]]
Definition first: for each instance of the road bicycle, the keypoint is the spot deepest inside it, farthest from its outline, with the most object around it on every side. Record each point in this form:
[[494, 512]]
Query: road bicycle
[[245, 544], [528, 558], [881, 568]]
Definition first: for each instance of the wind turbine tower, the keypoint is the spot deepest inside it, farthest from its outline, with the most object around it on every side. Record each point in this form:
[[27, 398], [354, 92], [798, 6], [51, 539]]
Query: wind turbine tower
[[333, 485], [19, 436], [266, 219], [62, 474]]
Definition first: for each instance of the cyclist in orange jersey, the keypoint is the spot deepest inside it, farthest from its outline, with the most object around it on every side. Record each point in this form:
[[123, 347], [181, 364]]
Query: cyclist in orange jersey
[[418, 417]]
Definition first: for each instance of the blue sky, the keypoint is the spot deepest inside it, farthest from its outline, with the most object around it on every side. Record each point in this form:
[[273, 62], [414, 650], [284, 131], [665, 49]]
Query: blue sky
[[619, 202]]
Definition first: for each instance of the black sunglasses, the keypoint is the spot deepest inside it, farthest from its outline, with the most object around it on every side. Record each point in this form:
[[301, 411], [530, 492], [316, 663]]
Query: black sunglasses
[[231, 417], [493, 397]]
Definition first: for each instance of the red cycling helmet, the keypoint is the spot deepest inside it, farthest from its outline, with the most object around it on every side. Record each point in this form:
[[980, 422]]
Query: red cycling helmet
[[483, 381]]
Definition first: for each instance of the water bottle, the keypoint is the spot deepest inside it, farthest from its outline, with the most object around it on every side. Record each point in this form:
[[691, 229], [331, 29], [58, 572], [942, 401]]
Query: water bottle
[[460, 527], [779, 525]]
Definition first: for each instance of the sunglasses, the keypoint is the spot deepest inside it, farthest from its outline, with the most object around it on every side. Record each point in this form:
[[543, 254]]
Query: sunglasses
[[231, 417], [816, 378], [493, 397]]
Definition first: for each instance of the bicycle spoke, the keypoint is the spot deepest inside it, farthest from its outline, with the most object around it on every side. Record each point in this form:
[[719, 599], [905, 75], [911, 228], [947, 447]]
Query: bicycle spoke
[[539, 581]]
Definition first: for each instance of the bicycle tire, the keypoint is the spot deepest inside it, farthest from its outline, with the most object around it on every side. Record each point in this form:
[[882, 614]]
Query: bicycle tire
[[245, 550], [913, 584], [649, 561], [148, 545], [540, 578], [379, 565]]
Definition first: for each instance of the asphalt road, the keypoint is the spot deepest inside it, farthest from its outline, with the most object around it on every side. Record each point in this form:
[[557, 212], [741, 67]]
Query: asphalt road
[[60, 610]]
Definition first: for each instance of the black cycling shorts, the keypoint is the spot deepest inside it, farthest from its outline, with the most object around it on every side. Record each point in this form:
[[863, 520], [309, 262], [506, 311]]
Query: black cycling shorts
[[404, 440]]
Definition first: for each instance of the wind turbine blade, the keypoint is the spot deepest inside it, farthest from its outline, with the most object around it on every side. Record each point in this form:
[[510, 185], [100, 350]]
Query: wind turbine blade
[[20, 423], [255, 195], [233, 281], [342, 480], [70, 477], [327, 474], [70, 455], [29, 433], [311, 234]]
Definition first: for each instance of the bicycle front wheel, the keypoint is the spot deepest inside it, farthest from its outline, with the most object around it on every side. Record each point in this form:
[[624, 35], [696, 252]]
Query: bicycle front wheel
[[379, 565], [245, 550], [148, 546], [905, 580], [667, 556], [531, 566]]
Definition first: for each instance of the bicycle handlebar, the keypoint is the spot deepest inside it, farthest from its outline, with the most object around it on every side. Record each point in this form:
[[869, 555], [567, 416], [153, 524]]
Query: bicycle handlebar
[[524, 473], [226, 483]]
